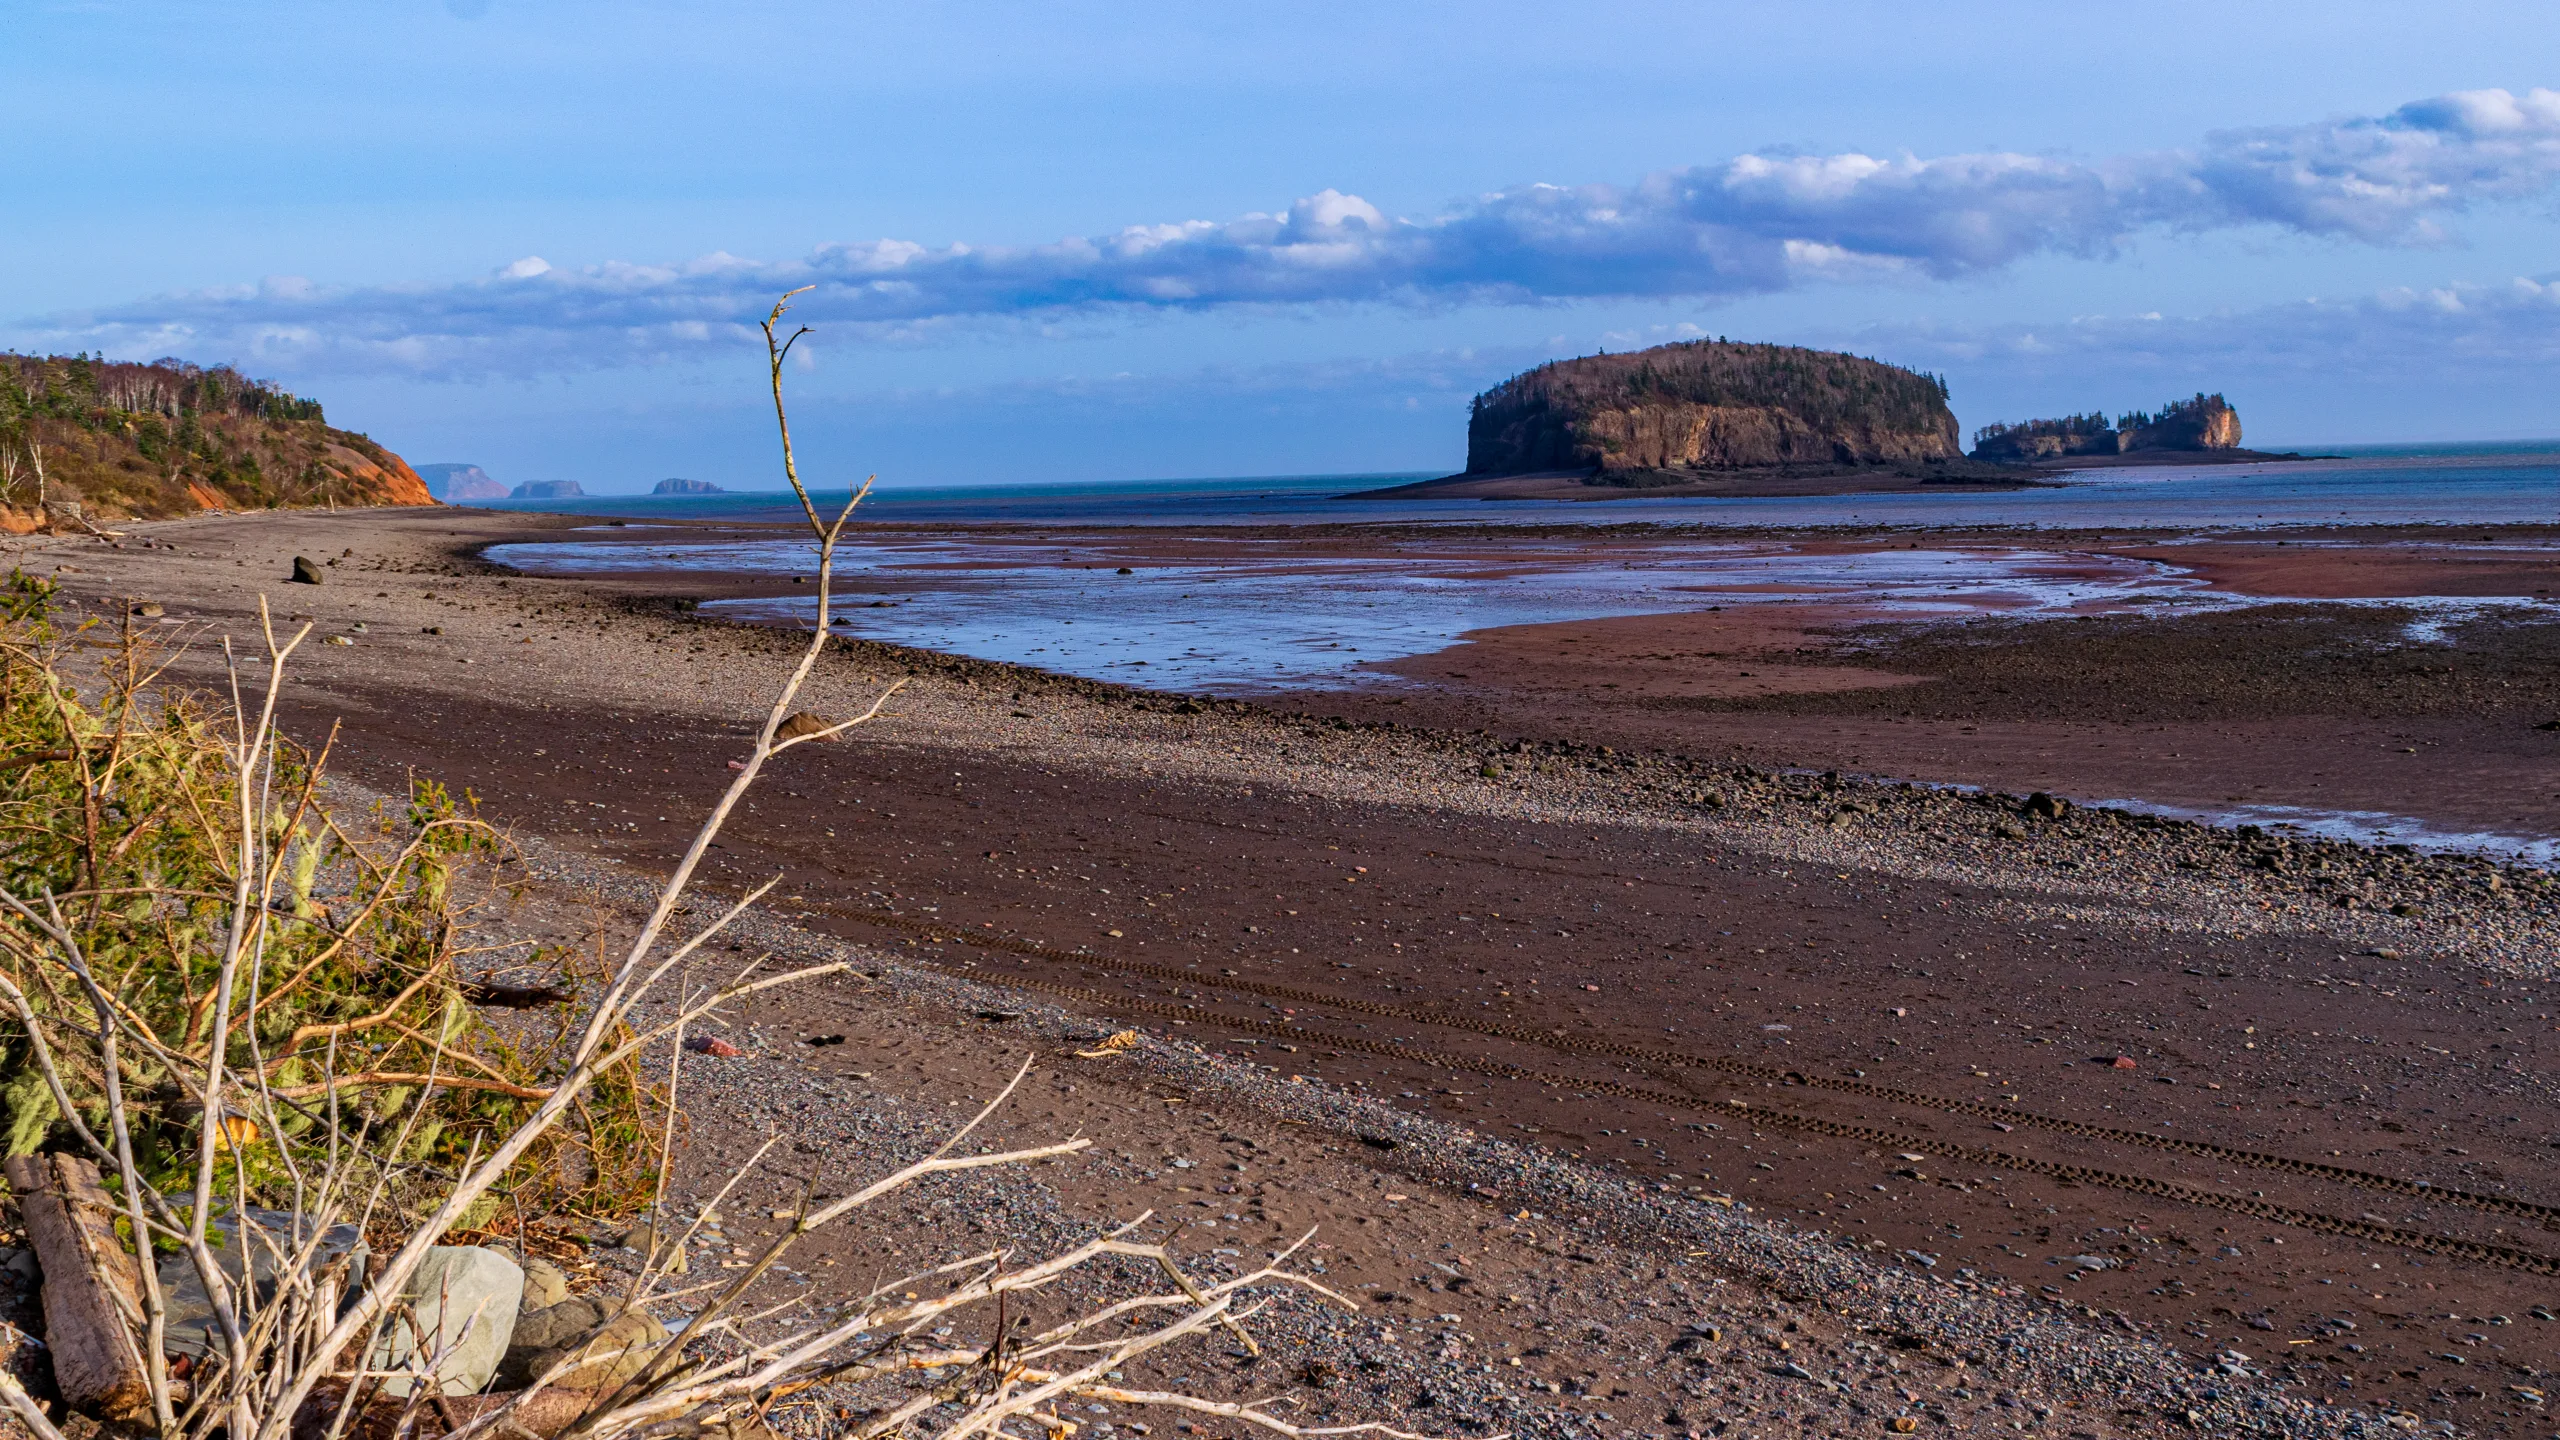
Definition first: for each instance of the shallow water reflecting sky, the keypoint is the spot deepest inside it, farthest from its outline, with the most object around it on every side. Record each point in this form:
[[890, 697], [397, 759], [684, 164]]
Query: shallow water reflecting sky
[[1272, 620]]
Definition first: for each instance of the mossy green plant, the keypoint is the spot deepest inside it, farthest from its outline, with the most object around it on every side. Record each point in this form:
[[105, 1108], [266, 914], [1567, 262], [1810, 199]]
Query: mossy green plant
[[119, 820]]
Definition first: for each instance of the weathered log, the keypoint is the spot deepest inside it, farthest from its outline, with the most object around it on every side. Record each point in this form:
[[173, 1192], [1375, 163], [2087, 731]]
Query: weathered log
[[92, 1285]]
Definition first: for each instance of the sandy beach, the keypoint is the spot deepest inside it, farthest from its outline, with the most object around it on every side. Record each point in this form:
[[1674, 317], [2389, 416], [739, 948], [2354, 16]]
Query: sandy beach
[[1585, 1012]]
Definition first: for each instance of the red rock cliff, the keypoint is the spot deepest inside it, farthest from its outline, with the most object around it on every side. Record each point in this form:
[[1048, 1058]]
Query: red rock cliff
[[1709, 405]]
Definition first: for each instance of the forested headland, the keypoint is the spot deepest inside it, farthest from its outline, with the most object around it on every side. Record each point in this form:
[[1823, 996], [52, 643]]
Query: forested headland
[[84, 436]]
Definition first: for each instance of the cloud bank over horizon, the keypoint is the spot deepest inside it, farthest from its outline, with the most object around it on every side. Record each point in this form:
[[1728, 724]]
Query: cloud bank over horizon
[[1753, 225], [2387, 366]]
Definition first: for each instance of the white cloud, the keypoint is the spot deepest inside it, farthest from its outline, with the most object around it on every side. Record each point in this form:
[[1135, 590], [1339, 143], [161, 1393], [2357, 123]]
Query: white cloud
[[1754, 224], [2404, 335]]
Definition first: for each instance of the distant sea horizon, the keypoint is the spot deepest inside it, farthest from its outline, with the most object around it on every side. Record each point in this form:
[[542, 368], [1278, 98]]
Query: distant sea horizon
[[2503, 482]]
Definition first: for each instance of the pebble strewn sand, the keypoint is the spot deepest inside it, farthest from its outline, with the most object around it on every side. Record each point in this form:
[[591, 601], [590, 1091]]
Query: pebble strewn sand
[[1811, 1336]]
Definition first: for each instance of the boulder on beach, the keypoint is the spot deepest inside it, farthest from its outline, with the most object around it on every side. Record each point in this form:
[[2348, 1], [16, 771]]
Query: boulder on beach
[[305, 571], [464, 1300], [544, 1284], [189, 1324]]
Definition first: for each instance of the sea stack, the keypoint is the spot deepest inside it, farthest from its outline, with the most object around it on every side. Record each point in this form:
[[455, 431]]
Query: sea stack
[[1659, 417], [2202, 423]]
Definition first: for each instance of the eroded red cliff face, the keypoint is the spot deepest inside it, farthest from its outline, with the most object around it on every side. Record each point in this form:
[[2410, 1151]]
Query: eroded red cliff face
[[380, 478], [1673, 436]]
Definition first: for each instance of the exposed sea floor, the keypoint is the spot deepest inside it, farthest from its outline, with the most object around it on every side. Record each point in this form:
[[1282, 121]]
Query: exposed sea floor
[[1274, 619], [1283, 621]]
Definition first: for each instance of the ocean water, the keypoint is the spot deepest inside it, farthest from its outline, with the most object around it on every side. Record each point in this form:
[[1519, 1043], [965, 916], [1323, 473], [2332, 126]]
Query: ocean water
[[2366, 485]]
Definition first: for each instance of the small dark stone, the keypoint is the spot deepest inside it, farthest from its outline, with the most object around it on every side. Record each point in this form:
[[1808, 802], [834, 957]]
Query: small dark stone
[[305, 571]]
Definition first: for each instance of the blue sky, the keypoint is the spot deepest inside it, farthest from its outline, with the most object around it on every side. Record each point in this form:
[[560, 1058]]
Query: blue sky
[[1090, 241]]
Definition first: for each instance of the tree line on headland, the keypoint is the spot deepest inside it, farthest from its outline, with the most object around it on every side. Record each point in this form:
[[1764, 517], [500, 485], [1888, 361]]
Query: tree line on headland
[[84, 436]]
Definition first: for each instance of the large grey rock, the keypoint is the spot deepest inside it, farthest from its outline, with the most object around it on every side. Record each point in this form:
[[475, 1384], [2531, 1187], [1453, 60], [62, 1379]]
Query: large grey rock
[[191, 1328], [304, 572], [462, 1305]]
